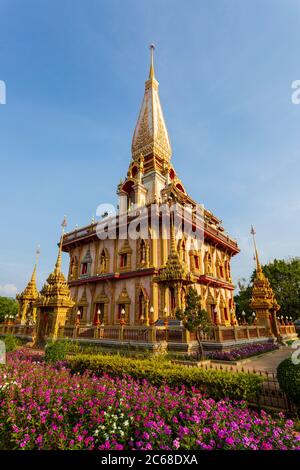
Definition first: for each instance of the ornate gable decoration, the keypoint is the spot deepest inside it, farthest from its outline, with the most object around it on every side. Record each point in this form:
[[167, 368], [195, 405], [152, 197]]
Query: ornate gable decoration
[[55, 292], [262, 293], [126, 249], [87, 257], [83, 302], [175, 269], [124, 297]]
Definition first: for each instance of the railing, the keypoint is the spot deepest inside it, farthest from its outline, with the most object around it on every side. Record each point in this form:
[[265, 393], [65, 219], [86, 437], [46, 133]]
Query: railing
[[235, 333], [270, 397], [287, 330], [91, 229], [219, 235], [15, 329], [151, 334], [228, 335], [111, 333]]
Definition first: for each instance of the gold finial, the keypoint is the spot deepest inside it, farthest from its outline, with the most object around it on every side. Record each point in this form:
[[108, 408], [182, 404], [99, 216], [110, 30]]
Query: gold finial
[[253, 233], [151, 72], [58, 261], [37, 254]]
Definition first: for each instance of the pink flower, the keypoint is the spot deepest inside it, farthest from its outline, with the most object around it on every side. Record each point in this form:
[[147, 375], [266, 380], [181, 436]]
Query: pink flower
[[176, 443]]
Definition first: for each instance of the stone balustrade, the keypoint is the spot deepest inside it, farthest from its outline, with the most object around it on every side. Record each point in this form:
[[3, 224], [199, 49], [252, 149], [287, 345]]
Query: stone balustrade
[[169, 336]]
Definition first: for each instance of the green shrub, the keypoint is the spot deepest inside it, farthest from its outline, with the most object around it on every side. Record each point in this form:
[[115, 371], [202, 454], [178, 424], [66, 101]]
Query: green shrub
[[11, 342], [288, 375], [216, 384], [56, 350]]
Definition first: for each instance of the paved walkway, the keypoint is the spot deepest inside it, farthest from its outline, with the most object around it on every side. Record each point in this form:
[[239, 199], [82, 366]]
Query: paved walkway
[[270, 361], [265, 363]]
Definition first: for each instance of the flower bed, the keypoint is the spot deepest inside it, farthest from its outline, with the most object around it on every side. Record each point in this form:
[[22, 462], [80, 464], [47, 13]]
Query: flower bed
[[243, 352], [46, 407]]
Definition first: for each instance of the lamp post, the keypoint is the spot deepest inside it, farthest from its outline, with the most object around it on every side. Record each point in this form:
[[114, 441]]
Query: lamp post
[[216, 318], [244, 317], [98, 317], [254, 317], [78, 318], [122, 317], [151, 320], [166, 321]]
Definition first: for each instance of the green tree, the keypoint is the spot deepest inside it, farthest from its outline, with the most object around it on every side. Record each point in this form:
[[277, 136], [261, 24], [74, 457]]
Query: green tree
[[8, 306], [242, 299], [194, 318], [284, 277]]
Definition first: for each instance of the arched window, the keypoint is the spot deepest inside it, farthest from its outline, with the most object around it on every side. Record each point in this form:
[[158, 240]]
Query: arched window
[[182, 251], [104, 261], [141, 306], [172, 298], [207, 263], [227, 269], [221, 270], [74, 268], [143, 251], [183, 297], [226, 313], [179, 186], [128, 188], [85, 269]]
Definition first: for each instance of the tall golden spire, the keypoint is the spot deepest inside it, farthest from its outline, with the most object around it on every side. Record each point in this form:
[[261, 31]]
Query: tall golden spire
[[150, 135], [263, 300], [55, 295], [258, 266], [29, 295], [58, 261]]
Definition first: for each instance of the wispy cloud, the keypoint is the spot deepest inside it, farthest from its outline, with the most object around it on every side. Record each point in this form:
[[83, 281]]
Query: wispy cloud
[[8, 290]]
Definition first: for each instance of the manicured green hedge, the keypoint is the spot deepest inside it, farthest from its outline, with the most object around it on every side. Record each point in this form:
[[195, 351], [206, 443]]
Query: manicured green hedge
[[288, 375], [216, 384]]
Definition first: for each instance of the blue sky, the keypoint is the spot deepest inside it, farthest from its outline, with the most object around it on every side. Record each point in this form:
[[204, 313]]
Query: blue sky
[[75, 71]]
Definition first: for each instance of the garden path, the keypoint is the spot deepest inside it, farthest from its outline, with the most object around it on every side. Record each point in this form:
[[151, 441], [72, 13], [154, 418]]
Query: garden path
[[270, 361], [264, 363]]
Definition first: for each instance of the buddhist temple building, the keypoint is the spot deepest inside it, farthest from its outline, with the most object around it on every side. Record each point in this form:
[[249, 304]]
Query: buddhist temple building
[[125, 289]]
